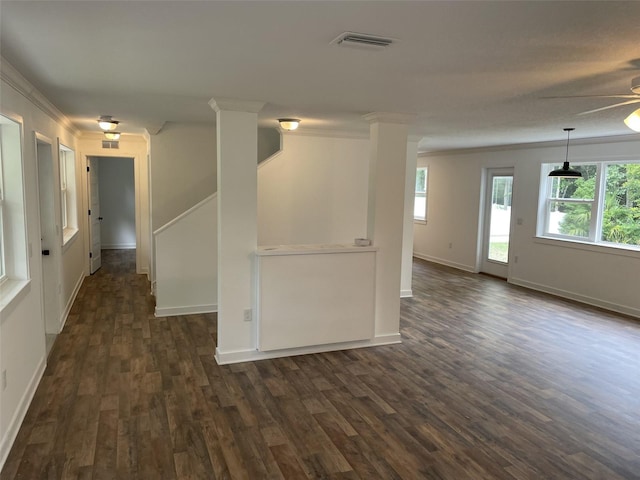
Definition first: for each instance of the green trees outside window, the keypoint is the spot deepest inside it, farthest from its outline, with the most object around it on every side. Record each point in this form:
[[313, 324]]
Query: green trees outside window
[[602, 206]]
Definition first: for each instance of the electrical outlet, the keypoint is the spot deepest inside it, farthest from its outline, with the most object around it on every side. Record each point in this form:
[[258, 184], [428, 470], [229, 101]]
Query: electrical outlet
[[4, 379], [247, 315], [451, 245], [515, 259]]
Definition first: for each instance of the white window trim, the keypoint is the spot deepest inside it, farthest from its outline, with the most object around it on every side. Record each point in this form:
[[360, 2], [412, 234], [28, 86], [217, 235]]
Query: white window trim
[[3, 272], [68, 212], [16, 278]]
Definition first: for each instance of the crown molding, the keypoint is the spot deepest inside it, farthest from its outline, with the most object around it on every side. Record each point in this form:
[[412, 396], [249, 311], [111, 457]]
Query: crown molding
[[633, 137], [236, 105], [15, 79], [390, 117], [125, 138], [322, 132], [154, 129]]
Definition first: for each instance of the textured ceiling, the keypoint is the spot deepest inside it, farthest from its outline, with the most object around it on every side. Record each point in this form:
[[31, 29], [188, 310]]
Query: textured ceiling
[[473, 72]]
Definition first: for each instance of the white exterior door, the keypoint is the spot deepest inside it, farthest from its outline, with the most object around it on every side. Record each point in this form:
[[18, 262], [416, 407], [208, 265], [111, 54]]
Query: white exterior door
[[94, 215], [497, 222]]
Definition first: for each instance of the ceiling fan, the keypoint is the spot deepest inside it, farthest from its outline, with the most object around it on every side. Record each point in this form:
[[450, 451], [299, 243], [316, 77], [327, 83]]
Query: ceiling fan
[[633, 97]]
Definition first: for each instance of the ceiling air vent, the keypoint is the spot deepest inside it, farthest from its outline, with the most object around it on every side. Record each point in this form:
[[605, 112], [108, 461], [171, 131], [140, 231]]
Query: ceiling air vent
[[362, 40], [110, 144]]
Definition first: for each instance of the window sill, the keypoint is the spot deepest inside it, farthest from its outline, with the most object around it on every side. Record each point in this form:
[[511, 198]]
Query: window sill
[[68, 236], [11, 292], [625, 251], [419, 222]]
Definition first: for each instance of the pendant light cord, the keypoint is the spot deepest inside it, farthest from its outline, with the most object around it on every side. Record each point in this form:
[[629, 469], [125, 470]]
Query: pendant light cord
[[566, 158]]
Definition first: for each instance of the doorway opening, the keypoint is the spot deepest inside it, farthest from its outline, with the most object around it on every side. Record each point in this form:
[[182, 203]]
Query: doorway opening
[[112, 206]]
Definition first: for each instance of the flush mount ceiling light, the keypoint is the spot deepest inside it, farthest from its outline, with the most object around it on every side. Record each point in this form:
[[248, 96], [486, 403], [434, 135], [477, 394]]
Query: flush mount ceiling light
[[633, 121], [289, 123], [565, 171], [107, 123], [112, 135]]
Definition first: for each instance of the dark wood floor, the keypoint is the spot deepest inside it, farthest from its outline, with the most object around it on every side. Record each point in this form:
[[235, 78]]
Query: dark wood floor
[[491, 382]]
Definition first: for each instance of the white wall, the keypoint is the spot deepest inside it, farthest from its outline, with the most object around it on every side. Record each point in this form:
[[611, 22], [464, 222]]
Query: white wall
[[187, 262], [268, 142], [593, 274], [183, 169], [117, 202], [314, 191], [22, 340]]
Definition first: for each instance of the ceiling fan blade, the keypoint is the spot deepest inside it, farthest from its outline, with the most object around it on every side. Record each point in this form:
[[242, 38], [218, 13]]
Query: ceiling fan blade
[[637, 100], [621, 95]]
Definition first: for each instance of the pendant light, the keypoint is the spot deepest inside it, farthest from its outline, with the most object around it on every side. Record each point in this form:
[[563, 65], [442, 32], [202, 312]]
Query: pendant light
[[565, 171]]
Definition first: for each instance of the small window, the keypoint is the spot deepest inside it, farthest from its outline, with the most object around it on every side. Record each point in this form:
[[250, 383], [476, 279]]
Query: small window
[[601, 207], [420, 199], [68, 204]]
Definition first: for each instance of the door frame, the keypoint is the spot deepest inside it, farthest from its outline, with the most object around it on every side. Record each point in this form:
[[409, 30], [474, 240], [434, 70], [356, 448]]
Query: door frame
[[142, 210], [53, 325], [93, 172], [492, 267]]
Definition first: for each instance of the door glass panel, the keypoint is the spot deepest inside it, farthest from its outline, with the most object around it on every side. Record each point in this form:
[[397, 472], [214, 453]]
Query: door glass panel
[[500, 220]]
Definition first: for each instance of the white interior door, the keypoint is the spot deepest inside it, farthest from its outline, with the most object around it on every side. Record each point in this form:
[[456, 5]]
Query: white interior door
[[497, 222], [50, 243], [95, 259]]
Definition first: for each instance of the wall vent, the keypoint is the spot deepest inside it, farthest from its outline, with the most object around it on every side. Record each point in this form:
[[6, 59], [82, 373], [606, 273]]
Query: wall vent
[[110, 144], [362, 40]]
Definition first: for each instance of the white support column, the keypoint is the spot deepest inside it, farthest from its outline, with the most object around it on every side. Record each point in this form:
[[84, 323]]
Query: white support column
[[385, 220], [237, 149], [407, 231]]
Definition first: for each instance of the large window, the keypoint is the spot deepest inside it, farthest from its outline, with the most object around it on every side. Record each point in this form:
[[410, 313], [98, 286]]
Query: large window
[[3, 275], [68, 196], [14, 264], [601, 207], [420, 199]]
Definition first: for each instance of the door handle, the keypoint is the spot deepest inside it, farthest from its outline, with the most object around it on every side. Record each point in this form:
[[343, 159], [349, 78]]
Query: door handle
[[45, 252], [100, 218]]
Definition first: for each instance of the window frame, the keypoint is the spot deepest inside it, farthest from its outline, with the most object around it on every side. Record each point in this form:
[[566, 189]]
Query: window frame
[[420, 194], [3, 271], [68, 192], [15, 249], [597, 204]]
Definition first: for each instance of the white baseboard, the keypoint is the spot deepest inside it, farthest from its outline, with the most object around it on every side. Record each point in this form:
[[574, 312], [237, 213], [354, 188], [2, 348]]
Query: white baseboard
[[21, 411], [187, 310], [72, 298], [118, 246], [406, 293], [225, 358], [596, 302], [448, 263]]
